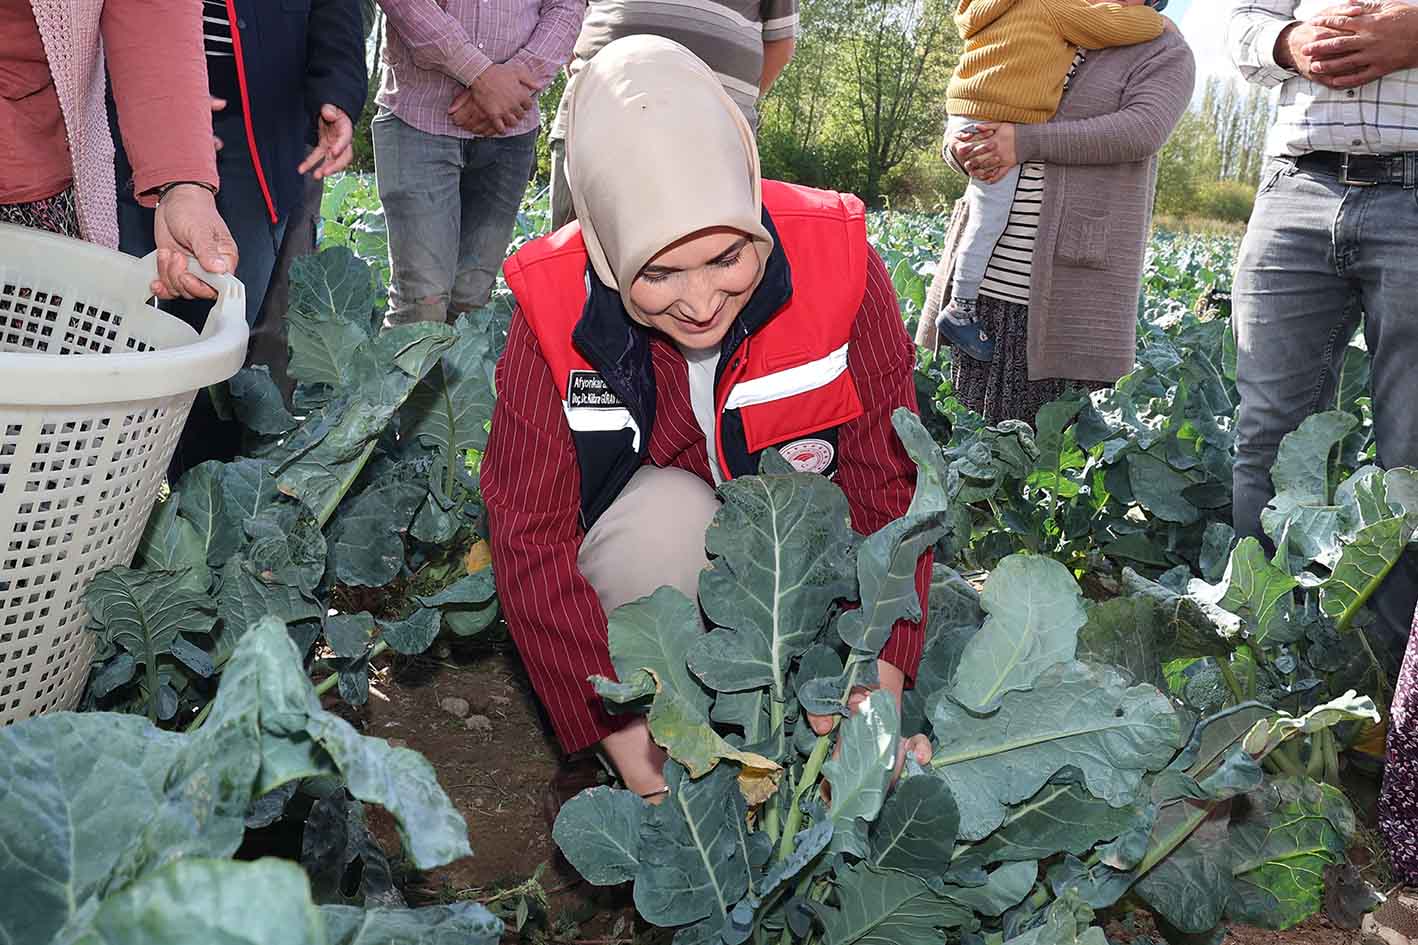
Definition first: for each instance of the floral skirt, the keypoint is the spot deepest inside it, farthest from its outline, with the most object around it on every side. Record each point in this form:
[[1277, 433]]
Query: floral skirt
[[1001, 390], [57, 214], [1398, 805]]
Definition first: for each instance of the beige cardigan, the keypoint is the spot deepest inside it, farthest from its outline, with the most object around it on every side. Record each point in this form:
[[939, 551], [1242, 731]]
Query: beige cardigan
[[1100, 169]]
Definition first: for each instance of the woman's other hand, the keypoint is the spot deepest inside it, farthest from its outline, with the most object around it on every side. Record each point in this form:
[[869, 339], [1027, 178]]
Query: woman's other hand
[[893, 681], [187, 225], [638, 760], [987, 152]]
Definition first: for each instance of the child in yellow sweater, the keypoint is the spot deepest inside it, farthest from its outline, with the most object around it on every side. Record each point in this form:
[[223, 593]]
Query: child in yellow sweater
[[1016, 57]]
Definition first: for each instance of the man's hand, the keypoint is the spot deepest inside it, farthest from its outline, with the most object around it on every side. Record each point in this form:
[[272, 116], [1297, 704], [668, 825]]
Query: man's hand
[[1293, 42], [187, 224], [988, 152], [1362, 43], [334, 148], [496, 101]]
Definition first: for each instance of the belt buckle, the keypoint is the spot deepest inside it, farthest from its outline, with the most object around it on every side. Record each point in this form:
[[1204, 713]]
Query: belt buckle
[[1349, 181]]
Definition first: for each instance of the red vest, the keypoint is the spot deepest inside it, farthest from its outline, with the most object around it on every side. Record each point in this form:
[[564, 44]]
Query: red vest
[[787, 380]]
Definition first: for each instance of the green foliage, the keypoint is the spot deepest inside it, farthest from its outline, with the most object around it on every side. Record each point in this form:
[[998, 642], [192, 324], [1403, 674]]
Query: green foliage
[[1039, 759], [118, 832]]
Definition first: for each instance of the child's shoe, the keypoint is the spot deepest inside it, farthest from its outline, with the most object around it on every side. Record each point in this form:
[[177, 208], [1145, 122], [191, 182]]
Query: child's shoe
[[959, 323]]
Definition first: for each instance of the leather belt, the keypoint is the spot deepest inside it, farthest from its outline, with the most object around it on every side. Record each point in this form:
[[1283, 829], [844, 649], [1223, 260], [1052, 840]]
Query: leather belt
[[1362, 170]]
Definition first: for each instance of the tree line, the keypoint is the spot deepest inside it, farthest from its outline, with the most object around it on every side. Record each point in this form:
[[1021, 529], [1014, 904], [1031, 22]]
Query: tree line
[[861, 108]]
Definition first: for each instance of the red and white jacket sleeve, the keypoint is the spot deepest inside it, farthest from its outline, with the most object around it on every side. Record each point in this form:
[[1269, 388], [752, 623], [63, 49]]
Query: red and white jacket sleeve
[[873, 468], [532, 487]]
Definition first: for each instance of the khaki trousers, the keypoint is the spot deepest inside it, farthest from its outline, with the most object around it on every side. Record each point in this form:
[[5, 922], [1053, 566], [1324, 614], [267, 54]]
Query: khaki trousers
[[651, 536]]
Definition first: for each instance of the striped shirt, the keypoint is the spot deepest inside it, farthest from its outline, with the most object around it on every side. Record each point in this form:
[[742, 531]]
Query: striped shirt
[[433, 51], [1012, 264], [221, 57], [216, 29], [532, 486], [727, 34], [1378, 118]]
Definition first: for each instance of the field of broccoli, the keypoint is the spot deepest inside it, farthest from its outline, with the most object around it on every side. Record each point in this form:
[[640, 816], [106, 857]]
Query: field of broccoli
[[1143, 729]]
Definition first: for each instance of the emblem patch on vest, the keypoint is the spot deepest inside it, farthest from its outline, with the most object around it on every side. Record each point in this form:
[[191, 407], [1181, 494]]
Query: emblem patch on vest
[[588, 390], [810, 455]]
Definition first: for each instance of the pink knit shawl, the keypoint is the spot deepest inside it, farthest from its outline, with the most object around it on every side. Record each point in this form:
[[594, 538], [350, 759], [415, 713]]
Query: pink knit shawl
[[70, 29]]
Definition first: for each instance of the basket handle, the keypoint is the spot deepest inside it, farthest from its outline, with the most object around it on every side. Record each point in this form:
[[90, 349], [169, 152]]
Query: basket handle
[[230, 305]]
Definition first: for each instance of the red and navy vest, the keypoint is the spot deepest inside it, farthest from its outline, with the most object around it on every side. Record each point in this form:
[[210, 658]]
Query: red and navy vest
[[782, 380]]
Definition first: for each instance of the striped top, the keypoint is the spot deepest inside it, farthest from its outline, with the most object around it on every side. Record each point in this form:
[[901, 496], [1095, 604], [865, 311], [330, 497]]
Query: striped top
[[221, 56], [727, 34], [216, 29], [1012, 263]]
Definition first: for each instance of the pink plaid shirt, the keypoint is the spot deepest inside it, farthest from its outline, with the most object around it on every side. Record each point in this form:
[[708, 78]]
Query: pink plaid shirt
[[434, 49]]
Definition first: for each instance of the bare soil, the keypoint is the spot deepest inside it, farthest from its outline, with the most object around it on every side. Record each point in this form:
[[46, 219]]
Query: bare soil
[[498, 776]]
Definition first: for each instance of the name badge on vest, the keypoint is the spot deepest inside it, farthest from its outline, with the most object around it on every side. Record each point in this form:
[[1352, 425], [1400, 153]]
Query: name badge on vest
[[592, 407]]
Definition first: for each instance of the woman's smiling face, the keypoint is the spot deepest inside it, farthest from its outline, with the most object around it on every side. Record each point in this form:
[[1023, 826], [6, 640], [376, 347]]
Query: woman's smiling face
[[694, 289]]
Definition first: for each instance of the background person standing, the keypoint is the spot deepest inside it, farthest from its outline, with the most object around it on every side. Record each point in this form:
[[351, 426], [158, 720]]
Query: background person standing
[[1332, 239], [455, 140], [56, 150], [748, 44]]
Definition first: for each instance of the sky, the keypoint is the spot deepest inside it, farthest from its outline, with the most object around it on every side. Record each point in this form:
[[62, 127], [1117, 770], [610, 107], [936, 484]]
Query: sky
[[1203, 24]]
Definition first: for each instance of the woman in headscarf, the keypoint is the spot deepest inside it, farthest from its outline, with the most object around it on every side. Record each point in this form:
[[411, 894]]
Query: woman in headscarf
[[694, 318]]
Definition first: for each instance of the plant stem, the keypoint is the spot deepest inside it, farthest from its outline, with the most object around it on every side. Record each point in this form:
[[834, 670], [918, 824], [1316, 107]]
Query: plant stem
[[201, 717], [1331, 758], [1229, 675], [1314, 767], [329, 682], [1346, 618], [1385, 686], [323, 515], [150, 669], [1287, 761], [772, 814], [811, 771]]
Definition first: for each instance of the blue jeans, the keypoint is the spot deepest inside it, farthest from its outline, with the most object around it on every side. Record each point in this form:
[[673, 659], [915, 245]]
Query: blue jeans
[[242, 206], [1317, 255], [450, 205]]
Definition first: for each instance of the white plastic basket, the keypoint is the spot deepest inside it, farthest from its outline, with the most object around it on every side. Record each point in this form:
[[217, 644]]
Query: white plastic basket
[[95, 385]]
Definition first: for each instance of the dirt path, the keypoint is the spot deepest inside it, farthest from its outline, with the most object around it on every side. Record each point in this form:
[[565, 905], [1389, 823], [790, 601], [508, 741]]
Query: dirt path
[[497, 769]]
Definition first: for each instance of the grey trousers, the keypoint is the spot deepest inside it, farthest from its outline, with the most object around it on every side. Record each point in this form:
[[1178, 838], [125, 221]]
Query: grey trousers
[[989, 217], [450, 205], [1316, 256], [651, 536]]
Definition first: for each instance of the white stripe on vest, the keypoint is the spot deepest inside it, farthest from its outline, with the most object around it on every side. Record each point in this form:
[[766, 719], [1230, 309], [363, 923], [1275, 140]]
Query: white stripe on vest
[[602, 420], [783, 384]]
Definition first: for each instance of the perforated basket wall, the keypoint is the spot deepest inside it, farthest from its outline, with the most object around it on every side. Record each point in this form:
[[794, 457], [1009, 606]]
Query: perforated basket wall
[[76, 487]]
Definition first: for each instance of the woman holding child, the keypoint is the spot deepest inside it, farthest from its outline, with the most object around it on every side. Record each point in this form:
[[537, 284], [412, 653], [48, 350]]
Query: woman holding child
[[1057, 301]]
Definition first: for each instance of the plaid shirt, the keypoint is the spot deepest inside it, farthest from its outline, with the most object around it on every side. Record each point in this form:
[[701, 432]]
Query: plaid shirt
[[1378, 118], [434, 49]]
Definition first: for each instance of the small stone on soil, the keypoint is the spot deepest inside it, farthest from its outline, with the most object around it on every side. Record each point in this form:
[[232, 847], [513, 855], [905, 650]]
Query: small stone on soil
[[478, 723], [455, 706]]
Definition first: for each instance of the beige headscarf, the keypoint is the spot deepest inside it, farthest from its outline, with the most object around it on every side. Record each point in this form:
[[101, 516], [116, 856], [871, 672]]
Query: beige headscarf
[[655, 151]]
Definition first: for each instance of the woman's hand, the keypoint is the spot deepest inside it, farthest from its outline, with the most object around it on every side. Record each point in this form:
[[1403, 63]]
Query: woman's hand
[[988, 152], [893, 681], [187, 224], [638, 760]]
